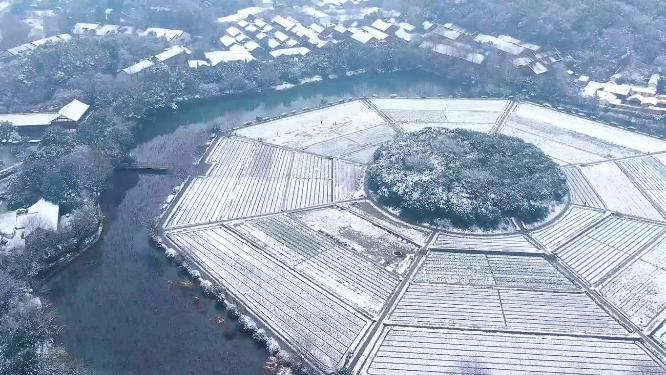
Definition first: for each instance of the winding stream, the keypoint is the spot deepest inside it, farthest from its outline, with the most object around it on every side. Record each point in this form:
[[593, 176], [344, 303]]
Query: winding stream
[[124, 308]]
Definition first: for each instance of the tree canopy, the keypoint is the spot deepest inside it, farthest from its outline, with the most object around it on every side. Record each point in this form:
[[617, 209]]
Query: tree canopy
[[465, 179]]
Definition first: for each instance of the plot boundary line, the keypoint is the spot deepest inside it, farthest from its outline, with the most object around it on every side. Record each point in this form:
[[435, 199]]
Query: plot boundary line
[[504, 117]]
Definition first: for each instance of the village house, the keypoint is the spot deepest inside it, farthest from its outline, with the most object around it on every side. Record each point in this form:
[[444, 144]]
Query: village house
[[627, 97], [68, 117]]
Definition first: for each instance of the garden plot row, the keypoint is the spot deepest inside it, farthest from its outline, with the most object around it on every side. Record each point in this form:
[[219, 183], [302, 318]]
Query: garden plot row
[[515, 243], [618, 192], [357, 147], [573, 140], [571, 224], [309, 128], [413, 351], [266, 179], [317, 325], [639, 290], [650, 175], [519, 272], [360, 235], [599, 251], [462, 306], [355, 279], [368, 211], [580, 189]]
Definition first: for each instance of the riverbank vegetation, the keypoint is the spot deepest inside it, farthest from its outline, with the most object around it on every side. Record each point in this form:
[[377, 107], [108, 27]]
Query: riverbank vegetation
[[465, 179]]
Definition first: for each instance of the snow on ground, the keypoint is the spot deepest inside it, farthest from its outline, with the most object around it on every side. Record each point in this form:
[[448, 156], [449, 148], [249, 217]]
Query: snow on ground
[[573, 222], [580, 190], [618, 192], [308, 128], [639, 290], [416, 114], [318, 325], [343, 272], [650, 175], [368, 211], [361, 235], [587, 128], [599, 251], [248, 178], [503, 243], [407, 350], [357, 146]]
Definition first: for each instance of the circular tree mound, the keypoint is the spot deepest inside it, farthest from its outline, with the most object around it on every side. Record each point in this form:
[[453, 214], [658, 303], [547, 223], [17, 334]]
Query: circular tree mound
[[465, 179]]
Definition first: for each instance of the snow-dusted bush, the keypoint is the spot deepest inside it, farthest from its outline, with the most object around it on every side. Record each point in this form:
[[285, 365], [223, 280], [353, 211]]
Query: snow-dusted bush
[[232, 309], [260, 336], [465, 179], [272, 346], [171, 253], [247, 324]]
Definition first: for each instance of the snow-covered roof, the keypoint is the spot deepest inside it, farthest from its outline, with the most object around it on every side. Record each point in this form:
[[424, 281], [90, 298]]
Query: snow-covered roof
[[407, 26], [42, 214], [28, 119], [362, 36], [251, 45], [447, 33], [316, 13], [251, 28], [227, 41], [297, 51], [500, 44], [404, 35], [261, 36], [284, 22], [260, 23], [241, 14], [171, 53], [538, 68], [272, 43], [136, 68], [458, 52], [377, 34], [233, 31], [217, 57], [74, 110], [340, 28], [168, 34], [381, 25], [241, 37], [27, 47], [317, 28], [427, 25], [84, 28], [8, 223], [280, 36], [194, 64], [291, 43], [243, 23]]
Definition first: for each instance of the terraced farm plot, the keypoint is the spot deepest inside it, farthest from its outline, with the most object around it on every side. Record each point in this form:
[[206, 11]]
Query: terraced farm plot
[[311, 320], [403, 350], [639, 290], [599, 251], [650, 175], [353, 278], [573, 140], [580, 189], [572, 223], [506, 271], [416, 114], [364, 237], [368, 211], [266, 179], [512, 243], [618, 192], [308, 128]]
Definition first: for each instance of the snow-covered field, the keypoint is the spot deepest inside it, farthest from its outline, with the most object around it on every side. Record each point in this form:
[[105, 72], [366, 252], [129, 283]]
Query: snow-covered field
[[322, 327], [618, 192], [580, 189], [503, 271], [640, 289], [354, 278], [360, 235], [406, 350], [308, 128], [248, 178], [357, 147], [416, 114], [504, 243], [599, 251], [650, 175], [591, 133], [573, 222]]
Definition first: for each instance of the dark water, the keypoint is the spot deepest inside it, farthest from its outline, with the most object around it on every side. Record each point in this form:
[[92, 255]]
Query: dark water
[[124, 308]]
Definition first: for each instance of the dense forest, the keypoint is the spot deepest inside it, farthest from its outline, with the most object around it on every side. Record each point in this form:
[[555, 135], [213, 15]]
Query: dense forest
[[465, 179]]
